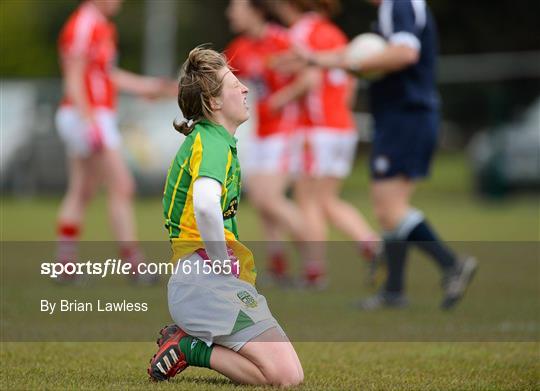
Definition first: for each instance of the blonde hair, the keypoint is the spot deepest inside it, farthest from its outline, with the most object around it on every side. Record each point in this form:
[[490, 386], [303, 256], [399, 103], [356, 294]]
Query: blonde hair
[[199, 82]]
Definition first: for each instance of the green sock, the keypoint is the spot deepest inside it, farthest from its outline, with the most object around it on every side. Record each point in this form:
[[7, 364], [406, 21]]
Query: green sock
[[196, 351]]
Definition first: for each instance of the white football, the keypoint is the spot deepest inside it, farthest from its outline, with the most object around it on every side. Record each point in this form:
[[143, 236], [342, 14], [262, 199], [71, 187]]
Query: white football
[[364, 46]]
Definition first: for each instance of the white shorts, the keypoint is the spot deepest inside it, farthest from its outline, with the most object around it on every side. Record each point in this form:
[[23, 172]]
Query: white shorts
[[80, 138], [215, 308], [268, 155], [320, 152]]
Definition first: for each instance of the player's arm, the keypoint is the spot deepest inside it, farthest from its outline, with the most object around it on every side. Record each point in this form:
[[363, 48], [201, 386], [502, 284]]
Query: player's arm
[[404, 46], [209, 216], [74, 67], [305, 81], [394, 58], [325, 59], [149, 87]]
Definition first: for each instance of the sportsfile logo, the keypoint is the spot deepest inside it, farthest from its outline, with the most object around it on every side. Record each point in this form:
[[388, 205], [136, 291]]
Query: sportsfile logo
[[103, 269], [112, 267]]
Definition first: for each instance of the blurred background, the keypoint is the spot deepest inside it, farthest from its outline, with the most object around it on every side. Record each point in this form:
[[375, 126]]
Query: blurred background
[[489, 80], [484, 188]]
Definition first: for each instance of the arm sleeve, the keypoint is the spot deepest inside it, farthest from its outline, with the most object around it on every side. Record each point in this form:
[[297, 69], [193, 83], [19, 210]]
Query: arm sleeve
[[209, 216], [407, 23]]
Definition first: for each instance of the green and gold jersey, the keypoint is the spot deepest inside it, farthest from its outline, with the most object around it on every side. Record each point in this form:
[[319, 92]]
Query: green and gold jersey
[[209, 151]]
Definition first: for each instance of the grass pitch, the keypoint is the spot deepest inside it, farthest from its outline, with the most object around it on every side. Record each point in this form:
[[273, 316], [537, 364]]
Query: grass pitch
[[502, 361], [327, 366]]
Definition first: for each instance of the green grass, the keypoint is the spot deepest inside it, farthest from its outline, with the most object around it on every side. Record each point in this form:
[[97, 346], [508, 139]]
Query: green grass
[[500, 310], [447, 198], [355, 366]]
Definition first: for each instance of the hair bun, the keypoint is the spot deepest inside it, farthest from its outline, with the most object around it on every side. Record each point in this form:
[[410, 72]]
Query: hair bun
[[199, 81], [192, 65], [185, 126]]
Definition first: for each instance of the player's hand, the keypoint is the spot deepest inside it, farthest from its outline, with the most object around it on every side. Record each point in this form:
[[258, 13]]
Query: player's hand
[[276, 103], [94, 134], [160, 88], [168, 87], [353, 67], [234, 261], [304, 55], [287, 63]]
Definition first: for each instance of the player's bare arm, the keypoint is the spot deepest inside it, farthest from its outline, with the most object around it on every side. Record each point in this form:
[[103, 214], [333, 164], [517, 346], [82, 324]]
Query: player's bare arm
[[149, 87], [394, 58], [307, 80]]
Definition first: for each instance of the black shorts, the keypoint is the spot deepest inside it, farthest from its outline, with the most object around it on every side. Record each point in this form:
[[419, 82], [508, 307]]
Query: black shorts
[[404, 143]]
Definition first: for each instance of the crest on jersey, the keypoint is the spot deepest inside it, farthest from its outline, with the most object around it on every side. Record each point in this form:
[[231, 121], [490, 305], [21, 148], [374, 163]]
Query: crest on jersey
[[230, 212], [247, 299], [381, 164]]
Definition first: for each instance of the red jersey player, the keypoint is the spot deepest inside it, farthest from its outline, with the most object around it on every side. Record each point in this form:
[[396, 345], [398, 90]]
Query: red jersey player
[[86, 121], [327, 133], [268, 160]]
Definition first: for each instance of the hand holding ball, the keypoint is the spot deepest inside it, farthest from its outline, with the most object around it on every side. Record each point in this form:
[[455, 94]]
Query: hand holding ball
[[362, 47]]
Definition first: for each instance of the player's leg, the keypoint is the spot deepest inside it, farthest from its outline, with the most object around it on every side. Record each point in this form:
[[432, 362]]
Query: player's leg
[[82, 172], [266, 186], [235, 366], [276, 358], [120, 191], [390, 193], [333, 153], [277, 262], [304, 195], [391, 202], [306, 170], [279, 215], [267, 359], [406, 225], [397, 157], [82, 184], [413, 225], [258, 352], [390, 199], [117, 178], [412, 157], [83, 181], [267, 193], [315, 225], [346, 217]]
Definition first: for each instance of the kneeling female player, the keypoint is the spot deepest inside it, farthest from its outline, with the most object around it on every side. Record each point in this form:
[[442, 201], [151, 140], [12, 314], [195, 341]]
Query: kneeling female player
[[221, 321]]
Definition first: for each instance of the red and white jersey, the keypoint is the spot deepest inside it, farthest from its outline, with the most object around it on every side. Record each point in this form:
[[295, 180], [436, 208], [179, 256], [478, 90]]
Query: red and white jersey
[[89, 34], [250, 59], [328, 105]]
